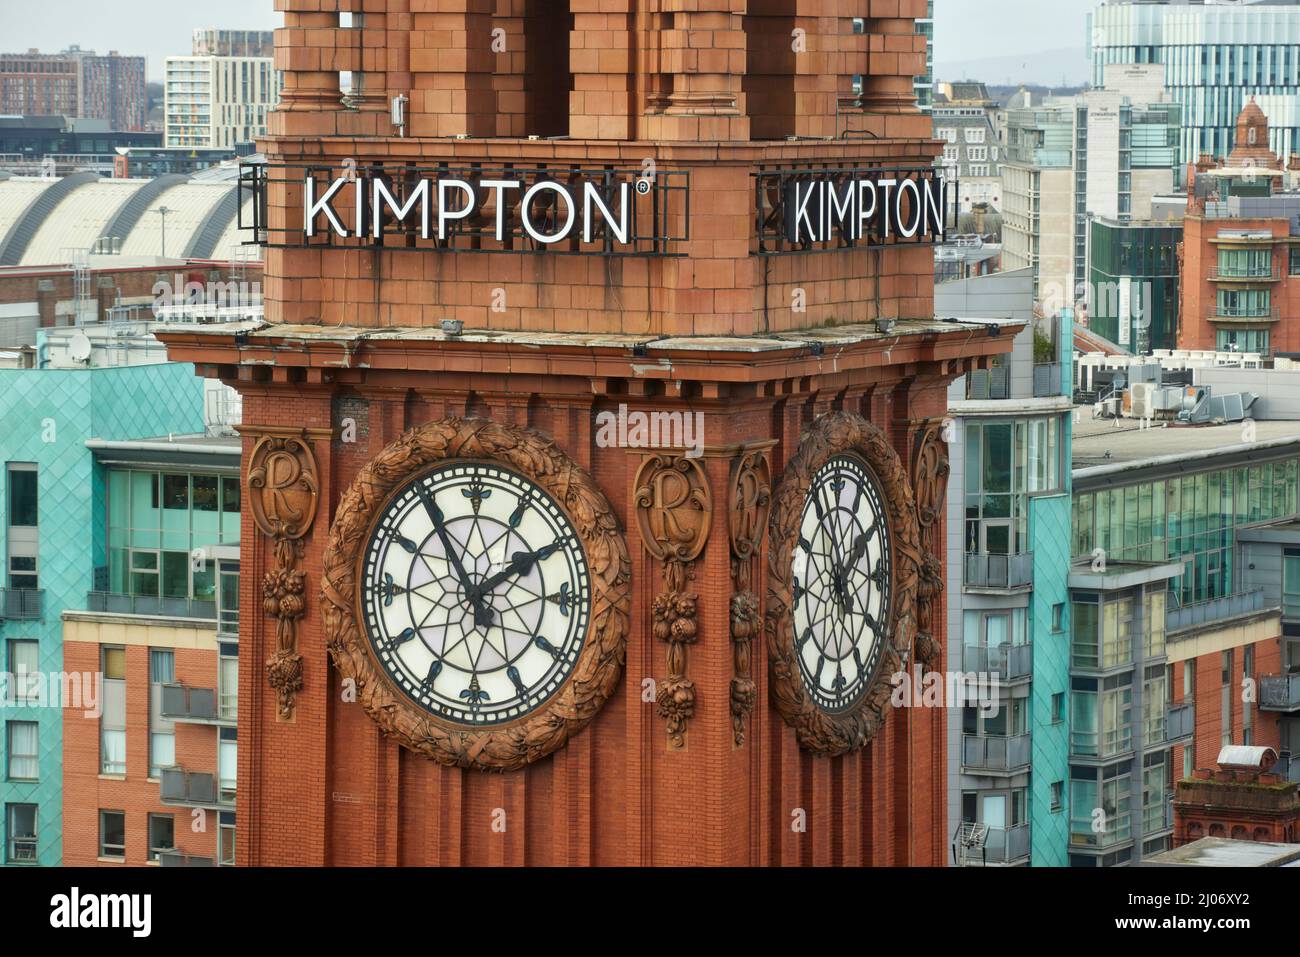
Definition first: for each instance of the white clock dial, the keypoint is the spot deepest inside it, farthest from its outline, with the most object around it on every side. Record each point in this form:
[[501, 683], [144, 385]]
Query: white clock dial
[[475, 593], [841, 579]]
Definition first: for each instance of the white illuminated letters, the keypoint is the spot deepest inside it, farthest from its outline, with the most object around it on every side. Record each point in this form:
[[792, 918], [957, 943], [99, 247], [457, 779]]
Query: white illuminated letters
[[871, 205], [549, 211]]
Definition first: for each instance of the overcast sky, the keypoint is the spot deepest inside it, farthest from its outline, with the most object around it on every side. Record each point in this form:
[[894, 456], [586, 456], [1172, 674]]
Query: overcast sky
[[976, 29], [964, 29]]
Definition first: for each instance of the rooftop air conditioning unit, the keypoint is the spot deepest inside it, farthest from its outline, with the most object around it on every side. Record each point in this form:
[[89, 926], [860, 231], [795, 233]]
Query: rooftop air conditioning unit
[[1140, 404]]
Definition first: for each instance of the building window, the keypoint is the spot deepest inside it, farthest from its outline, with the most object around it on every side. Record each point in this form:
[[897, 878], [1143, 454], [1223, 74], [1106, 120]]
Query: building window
[[1243, 340], [228, 599], [1084, 615], [157, 524], [227, 750], [1245, 303], [23, 529], [22, 743], [1295, 260], [112, 723], [226, 839], [1247, 674], [22, 495], [1246, 263], [1155, 704], [1291, 584], [20, 833], [228, 681], [1058, 794], [24, 671], [162, 732], [1058, 707], [1225, 703], [162, 835], [112, 834], [1058, 617]]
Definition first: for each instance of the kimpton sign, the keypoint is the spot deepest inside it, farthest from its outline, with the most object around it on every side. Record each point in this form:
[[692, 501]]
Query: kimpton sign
[[548, 211], [803, 210]]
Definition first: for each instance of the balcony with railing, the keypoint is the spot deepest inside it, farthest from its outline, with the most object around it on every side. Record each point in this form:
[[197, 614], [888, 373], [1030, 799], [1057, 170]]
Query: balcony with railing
[[996, 754], [1180, 722], [979, 846], [175, 858], [185, 788], [152, 606], [1246, 275], [1005, 572], [1247, 316], [992, 383], [22, 604], [1047, 379], [198, 705], [1005, 662], [1279, 693], [1214, 609]]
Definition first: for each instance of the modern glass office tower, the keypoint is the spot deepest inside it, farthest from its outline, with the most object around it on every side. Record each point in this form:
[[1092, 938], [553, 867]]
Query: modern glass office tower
[[1108, 152], [1216, 57], [925, 84]]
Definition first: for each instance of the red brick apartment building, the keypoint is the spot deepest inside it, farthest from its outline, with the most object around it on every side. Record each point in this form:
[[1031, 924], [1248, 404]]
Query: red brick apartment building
[[116, 813], [75, 83], [589, 212], [1240, 265]]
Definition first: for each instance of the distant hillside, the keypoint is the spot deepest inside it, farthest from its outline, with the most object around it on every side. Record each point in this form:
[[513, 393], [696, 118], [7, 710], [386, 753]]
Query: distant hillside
[[1050, 68]]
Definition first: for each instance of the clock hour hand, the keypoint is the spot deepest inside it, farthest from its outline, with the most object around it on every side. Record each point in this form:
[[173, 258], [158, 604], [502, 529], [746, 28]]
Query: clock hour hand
[[840, 578], [520, 563]]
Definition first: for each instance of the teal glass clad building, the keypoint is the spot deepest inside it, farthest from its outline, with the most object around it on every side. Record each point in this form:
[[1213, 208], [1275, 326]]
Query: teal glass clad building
[[1216, 57], [53, 498]]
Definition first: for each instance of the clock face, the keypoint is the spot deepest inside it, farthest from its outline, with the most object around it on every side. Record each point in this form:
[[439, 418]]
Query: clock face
[[841, 576], [475, 593]]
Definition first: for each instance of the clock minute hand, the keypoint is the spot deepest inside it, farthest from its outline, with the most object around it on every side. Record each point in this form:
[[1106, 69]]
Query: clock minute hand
[[439, 526]]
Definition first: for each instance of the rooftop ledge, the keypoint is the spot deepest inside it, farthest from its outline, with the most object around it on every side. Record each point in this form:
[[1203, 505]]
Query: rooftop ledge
[[965, 342], [828, 337]]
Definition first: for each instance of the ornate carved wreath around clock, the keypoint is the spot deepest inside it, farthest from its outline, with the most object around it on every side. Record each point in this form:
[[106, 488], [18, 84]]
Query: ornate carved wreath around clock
[[476, 589], [844, 563]]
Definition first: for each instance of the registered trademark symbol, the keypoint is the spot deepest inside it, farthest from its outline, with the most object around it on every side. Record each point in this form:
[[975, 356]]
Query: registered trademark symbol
[[643, 186]]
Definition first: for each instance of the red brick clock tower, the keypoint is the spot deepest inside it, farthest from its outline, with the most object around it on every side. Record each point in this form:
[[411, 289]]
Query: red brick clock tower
[[593, 443]]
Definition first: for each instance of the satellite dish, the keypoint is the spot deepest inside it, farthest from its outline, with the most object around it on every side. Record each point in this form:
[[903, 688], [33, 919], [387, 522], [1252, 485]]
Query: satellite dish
[[79, 347]]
